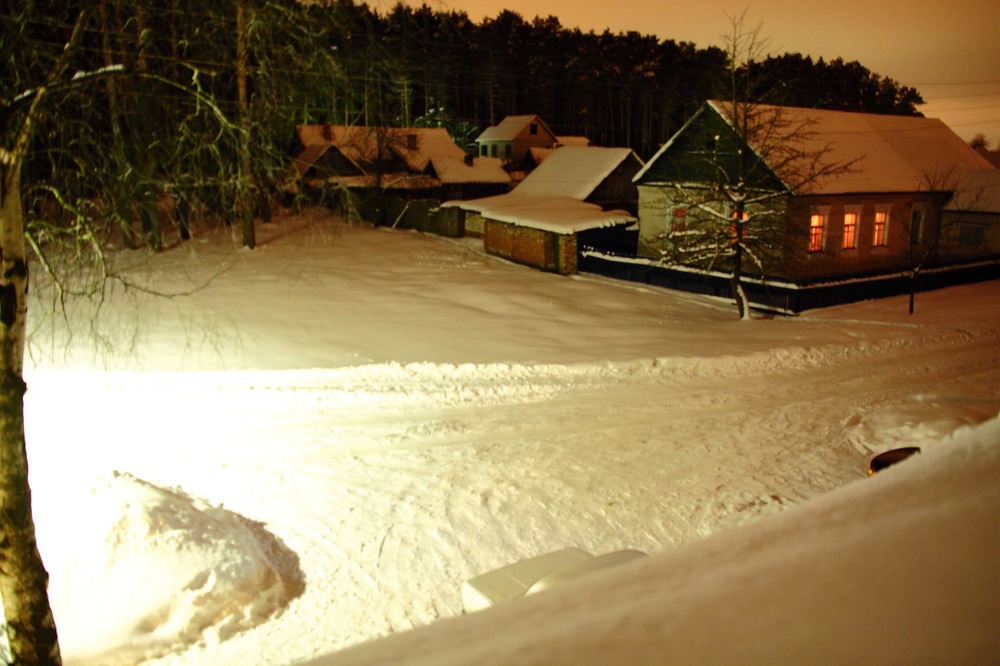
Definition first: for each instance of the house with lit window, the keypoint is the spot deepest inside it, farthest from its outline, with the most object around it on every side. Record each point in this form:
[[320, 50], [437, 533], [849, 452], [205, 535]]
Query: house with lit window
[[909, 195]]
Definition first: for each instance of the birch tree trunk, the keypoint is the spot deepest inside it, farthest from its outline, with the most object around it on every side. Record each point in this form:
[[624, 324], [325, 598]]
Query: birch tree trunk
[[31, 628]]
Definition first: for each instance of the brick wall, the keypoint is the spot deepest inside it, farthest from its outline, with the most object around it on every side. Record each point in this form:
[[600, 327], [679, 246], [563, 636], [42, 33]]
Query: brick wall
[[532, 247]]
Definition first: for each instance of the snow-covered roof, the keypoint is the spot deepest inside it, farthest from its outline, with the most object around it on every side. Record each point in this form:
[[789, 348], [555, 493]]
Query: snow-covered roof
[[510, 127], [887, 153], [418, 147], [579, 141], [415, 145], [552, 197], [560, 215], [976, 191], [574, 172], [452, 170]]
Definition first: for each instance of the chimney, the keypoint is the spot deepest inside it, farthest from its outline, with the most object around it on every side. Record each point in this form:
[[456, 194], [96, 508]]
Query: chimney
[[468, 159], [328, 132]]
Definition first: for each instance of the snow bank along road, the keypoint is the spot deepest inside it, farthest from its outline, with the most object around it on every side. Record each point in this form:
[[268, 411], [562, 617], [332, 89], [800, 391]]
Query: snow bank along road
[[391, 484]]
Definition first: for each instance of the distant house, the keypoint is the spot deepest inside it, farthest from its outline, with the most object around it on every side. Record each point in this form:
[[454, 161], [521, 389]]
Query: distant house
[[576, 196], [407, 162], [523, 142], [511, 140], [917, 195]]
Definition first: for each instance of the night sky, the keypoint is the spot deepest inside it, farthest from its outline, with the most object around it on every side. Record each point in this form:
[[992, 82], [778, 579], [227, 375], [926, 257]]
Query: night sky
[[949, 51]]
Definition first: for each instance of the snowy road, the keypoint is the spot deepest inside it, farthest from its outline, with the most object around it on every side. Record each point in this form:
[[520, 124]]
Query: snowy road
[[396, 483], [543, 413]]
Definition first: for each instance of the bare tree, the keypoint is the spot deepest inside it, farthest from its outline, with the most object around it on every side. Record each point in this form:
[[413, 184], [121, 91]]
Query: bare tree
[[930, 230], [31, 629], [739, 161]]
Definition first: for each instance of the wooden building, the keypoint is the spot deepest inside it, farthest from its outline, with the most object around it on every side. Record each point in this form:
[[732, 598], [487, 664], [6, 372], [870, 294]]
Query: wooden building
[[913, 195]]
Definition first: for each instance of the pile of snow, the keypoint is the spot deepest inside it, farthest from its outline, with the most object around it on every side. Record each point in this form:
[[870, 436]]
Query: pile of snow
[[152, 568], [897, 569]]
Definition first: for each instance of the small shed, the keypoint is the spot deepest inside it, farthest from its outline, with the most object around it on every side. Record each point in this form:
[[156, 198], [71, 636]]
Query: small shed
[[577, 194]]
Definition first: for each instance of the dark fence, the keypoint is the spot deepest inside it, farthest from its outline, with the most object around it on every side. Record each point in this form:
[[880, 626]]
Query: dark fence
[[420, 214], [782, 296]]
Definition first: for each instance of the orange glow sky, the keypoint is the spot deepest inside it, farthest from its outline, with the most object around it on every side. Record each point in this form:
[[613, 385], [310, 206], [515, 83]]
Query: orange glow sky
[[949, 51]]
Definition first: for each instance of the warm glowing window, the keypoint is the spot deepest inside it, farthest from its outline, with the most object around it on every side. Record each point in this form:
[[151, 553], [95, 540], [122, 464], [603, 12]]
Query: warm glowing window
[[850, 231], [680, 219], [817, 222], [732, 227], [878, 237]]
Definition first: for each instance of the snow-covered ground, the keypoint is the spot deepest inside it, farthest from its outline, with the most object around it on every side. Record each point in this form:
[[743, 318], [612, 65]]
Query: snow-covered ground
[[317, 448]]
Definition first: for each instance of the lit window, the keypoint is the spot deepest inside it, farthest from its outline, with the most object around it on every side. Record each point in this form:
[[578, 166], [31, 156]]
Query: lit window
[[917, 224], [850, 230], [680, 219], [817, 221], [878, 238], [732, 227]]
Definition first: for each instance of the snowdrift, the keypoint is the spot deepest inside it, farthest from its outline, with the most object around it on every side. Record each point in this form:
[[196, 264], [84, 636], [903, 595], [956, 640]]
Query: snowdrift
[[204, 573], [897, 569]]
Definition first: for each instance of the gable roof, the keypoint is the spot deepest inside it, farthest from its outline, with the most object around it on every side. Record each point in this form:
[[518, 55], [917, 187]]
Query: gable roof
[[552, 197], [360, 143], [887, 153], [422, 150], [975, 192], [510, 127], [574, 172], [485, 170]]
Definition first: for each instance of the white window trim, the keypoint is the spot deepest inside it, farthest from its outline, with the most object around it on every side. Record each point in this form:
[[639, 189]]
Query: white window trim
[[825, 212], [887, 209], [856, 210]]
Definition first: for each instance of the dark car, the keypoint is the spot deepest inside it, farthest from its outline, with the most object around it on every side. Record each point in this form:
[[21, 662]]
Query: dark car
[[891, 457]]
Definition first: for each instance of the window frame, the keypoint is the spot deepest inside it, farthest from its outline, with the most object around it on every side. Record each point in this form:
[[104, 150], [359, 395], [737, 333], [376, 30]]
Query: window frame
[[880, 230], [918, 214], [971, 234], [855, 228], [817, 241]]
